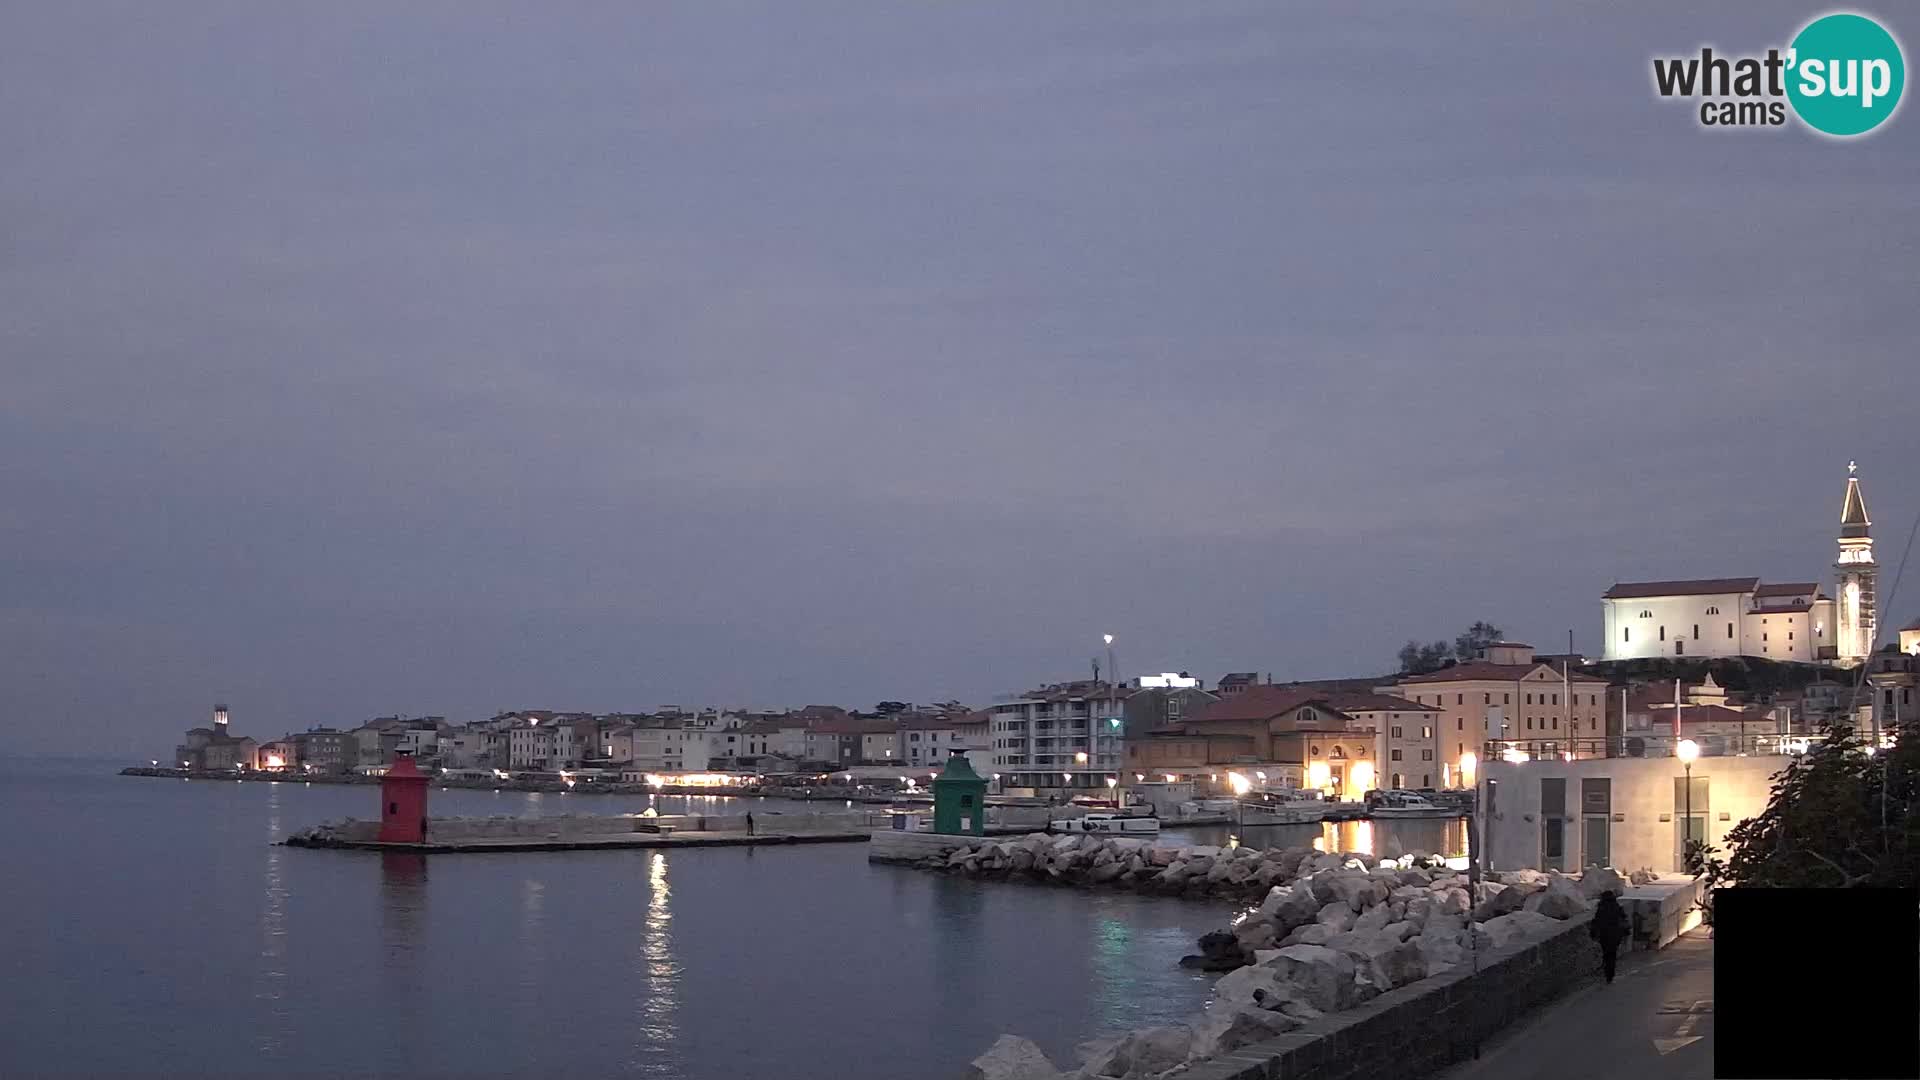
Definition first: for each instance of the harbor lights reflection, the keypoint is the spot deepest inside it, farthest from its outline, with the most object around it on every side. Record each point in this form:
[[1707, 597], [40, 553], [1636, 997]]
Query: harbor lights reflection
[[659, 973]]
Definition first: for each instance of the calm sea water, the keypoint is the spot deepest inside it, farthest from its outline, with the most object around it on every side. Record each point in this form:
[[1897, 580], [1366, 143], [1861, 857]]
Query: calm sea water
[[152, 927]]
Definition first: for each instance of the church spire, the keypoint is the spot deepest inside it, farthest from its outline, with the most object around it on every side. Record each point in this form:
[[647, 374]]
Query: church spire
[[1853, 512], [1856, 619]]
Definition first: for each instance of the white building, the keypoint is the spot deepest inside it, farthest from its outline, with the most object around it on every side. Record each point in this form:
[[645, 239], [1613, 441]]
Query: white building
[[1066, 736], [1715, 617], [1626, 812], [1718, 617]]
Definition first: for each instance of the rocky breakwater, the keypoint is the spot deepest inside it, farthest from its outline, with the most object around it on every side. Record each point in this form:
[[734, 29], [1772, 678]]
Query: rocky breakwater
[[1326, 939], [1201, 872]]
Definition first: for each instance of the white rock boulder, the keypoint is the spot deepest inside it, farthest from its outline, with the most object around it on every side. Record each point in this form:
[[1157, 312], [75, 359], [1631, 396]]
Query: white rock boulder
[[1012, 1058], [1519, 926]]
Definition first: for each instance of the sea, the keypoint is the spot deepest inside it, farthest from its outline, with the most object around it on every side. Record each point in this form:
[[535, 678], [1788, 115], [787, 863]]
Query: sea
[[155, 927]]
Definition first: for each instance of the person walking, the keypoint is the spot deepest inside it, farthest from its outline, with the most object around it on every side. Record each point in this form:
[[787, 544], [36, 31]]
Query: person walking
[[750, 833], [1609, 928]]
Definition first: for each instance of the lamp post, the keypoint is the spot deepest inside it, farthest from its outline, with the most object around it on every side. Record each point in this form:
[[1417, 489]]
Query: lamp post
[[1687, 750]]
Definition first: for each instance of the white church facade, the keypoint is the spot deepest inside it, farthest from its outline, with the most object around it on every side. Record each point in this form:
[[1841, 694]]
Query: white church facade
[[1715, 617]]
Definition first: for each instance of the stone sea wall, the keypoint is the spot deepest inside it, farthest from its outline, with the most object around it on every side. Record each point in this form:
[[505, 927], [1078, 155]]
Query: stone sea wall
[[1330, 934]]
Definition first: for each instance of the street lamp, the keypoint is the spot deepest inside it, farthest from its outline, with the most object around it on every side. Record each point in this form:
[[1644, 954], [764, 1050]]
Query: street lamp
[[1686, 750]]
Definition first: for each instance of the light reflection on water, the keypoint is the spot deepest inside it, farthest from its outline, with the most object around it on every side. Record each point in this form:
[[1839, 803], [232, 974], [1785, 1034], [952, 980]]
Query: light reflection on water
[[1386, 839], [270, 983], [657, 973]]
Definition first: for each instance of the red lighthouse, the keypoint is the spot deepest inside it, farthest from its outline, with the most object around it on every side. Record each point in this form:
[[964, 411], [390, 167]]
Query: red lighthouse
[[403, 803]]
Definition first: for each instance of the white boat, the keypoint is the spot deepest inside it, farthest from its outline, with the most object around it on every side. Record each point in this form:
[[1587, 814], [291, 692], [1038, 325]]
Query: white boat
[[1107, 823], [1290, 812], [1399, 804]]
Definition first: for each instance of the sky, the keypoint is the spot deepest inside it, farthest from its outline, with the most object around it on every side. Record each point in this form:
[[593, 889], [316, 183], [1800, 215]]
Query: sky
[[444, 358]]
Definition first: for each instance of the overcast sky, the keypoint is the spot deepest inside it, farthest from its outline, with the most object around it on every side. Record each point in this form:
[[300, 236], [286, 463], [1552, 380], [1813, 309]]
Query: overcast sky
[[445, 358]]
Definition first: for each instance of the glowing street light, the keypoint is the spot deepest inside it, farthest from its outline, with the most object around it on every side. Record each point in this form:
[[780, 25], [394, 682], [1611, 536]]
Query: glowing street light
[[1112, 782], [1067, 776], [1240, 784], [1140, 777], [1080, 758], [1469, 764]]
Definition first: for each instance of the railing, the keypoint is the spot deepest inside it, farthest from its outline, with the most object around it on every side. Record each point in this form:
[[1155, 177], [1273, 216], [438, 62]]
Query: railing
[[1645, 746]]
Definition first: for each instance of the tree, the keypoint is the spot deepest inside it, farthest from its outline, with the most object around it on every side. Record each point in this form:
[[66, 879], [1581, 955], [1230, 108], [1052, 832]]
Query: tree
[[1418, 659], [1475, 640], [1838, 817]]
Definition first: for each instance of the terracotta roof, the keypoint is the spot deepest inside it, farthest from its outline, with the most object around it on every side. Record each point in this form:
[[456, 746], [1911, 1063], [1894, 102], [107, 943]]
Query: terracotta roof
[[1258, 703], [1695, 587], [1370, 702], [1483, 670], [1790, 588]]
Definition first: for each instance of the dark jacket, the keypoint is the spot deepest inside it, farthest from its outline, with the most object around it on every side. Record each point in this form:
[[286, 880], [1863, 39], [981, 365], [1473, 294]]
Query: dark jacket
[[1609, 926]]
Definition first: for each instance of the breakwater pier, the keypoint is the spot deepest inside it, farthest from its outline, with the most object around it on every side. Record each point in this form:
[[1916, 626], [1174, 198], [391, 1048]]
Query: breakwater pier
[[582, 832]]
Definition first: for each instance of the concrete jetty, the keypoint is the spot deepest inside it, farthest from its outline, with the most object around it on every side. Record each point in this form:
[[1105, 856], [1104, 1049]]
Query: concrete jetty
[[607, 842], [591, 832]]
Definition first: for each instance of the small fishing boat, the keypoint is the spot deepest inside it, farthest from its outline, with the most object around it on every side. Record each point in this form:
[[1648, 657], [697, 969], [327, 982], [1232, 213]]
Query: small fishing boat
[[1401, 804], [1117, 824]]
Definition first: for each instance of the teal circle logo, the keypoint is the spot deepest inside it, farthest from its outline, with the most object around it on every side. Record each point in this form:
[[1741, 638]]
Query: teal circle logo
[[1845, 74]]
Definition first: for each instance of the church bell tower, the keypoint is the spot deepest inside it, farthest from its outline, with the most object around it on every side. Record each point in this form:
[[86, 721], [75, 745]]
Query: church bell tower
[[1855, 570]]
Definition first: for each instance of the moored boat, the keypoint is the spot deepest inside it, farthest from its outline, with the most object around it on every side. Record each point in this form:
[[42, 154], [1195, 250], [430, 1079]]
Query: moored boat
[[1117, 824]]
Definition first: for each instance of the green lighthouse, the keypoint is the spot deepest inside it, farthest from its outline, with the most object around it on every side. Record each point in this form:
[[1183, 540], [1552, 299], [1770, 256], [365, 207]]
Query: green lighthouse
[[960, 798]]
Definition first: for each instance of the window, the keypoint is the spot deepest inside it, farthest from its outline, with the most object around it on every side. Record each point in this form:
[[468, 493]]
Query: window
[[1529, 723], [1729, 631], [1396, 733], [1556, 723], [1529, 699], [1459, 723], [1556, 699], [1789, 635], [1696, 631], [1663, 633], [1426, 732], [1459, 699], [1713, 611], [1426, 755], [1646, 614], [1763, 635], [1489, 697], [1506, 699], [1394, 755], [1426, 779], [1626, 633]]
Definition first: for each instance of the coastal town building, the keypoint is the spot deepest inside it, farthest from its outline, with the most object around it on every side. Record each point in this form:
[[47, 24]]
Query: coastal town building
[[215, 747], [324, 750], [1544, 812], [1741, 616], [1507, 695], [1061, 737], [1285, 737]]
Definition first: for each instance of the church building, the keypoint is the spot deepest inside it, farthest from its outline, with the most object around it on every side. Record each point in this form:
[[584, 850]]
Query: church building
[[1715, 617]]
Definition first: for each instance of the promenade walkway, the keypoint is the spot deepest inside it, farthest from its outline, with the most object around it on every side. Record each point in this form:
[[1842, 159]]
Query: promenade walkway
[[1655, 1022]]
